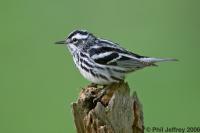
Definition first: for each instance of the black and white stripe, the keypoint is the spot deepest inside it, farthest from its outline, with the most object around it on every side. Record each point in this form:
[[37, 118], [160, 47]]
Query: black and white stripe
[[102, 61], [115, 56], [89, 69]]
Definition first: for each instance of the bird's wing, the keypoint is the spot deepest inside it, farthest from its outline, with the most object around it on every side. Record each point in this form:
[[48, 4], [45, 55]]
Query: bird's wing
[[116, 56]]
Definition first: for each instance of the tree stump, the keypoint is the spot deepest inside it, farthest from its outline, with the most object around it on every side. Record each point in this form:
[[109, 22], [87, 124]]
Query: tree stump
[[114, 112]]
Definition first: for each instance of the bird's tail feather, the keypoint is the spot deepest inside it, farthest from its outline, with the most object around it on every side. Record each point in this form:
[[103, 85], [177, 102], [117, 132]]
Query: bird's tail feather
[[155, 60]]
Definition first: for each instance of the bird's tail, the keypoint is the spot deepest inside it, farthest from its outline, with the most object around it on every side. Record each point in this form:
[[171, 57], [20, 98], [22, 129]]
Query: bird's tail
[[151, 60]]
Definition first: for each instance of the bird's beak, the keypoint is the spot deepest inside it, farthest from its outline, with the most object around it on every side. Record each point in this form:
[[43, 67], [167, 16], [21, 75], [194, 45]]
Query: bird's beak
[[61, 42]]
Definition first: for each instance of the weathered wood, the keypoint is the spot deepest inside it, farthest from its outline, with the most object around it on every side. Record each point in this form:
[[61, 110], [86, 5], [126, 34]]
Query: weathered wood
[[115, 112]]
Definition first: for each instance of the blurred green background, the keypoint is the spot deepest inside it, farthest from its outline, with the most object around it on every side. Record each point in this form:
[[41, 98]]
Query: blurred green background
[[38, 80]]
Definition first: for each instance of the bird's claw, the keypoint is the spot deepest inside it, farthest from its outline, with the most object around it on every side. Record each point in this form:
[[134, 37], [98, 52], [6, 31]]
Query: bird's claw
[[100, 95], [93, 85]]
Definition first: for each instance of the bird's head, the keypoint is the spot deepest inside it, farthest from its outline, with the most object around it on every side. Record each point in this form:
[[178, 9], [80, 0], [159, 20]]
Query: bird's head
[[78, 38]]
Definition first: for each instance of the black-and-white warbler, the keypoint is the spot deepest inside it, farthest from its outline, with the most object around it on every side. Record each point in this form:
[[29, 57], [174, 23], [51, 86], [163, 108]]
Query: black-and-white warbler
[[102, 61]]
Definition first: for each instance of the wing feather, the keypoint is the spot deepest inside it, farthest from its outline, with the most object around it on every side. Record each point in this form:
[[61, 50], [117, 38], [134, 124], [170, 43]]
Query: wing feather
[[116, 56]]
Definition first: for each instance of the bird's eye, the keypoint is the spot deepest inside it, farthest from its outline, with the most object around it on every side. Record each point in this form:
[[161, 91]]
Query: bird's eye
[[75, 39]]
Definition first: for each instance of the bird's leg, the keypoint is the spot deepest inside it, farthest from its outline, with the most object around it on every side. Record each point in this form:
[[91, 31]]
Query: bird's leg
[[93, 85], [106, 93], [101, 93]]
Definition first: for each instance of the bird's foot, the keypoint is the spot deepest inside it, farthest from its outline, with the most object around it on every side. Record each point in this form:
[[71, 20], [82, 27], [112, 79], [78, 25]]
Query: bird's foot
[[104, 95], [100, 95], [93, 85], [105, 92]]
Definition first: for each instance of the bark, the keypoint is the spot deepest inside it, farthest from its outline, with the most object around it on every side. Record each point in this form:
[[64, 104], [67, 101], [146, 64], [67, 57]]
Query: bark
[[114, 112]]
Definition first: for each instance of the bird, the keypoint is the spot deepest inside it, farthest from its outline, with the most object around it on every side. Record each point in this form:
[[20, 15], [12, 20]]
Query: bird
[[104, 62]]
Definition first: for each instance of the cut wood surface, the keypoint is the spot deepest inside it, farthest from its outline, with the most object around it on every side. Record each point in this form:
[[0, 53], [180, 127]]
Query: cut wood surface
[[115, 112]]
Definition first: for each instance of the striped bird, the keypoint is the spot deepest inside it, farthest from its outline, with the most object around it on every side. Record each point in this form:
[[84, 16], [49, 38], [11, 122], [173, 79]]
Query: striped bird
[[104, 62]]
